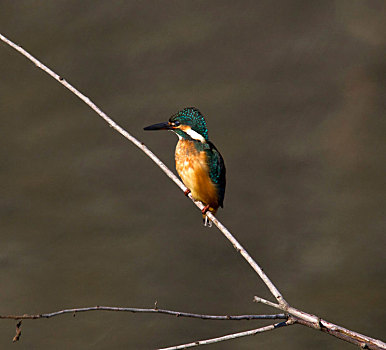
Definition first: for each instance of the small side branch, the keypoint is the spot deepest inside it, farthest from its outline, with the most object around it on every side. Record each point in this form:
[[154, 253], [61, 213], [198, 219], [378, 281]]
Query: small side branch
[[18, 332], [231, 336], [149, 311]]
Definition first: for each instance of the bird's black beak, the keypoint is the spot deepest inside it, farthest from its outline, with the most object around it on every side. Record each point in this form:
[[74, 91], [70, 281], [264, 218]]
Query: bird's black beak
[[159, 126]]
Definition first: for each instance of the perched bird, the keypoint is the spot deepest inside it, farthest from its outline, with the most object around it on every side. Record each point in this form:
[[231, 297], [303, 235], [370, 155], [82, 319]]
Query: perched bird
[[198, 162]]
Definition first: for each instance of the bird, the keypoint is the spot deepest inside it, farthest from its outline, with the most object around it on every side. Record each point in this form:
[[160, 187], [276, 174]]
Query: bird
[[198, 162]]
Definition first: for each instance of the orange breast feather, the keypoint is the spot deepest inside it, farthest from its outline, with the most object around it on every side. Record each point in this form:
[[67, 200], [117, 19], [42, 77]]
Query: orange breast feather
[[193, 169]]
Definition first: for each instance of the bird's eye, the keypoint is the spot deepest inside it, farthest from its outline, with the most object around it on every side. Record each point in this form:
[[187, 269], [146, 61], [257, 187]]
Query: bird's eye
[[177, 123]]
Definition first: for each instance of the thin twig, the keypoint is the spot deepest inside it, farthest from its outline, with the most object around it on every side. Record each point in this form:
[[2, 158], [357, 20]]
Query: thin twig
[[153, 311], [18, 332], [230, 336], [156, 160], [265, 302]]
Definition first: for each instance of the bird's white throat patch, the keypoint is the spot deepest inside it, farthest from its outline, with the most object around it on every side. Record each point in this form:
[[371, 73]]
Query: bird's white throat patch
[[193, 134]]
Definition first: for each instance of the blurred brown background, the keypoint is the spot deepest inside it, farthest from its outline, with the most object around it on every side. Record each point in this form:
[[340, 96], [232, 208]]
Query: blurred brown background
[[294, 95]]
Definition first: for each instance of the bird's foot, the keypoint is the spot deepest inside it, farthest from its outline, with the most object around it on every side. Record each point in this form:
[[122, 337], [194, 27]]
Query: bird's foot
[[205, 209], [207, 222], [186, 192]]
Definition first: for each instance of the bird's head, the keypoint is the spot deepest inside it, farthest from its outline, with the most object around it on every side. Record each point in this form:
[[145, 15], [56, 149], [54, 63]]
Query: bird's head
[[188, 124]]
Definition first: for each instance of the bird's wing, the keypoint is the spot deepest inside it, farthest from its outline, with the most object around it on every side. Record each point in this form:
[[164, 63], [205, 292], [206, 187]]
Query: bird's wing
[[216, 170]]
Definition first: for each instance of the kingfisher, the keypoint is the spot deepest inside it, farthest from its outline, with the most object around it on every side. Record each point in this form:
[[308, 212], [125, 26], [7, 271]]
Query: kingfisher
[[198, 162]]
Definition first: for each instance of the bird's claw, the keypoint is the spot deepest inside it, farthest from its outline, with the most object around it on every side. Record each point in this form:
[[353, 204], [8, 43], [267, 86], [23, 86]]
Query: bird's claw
[[207, 222], [205, 209]]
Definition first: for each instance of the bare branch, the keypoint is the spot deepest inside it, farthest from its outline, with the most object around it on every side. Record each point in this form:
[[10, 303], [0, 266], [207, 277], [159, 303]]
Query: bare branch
[[152, 311], [156, 160], [230, 336], [317, 323], [299, 316]]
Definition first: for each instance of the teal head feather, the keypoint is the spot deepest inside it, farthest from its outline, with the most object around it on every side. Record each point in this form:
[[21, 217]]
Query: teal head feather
[[192, 117]]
